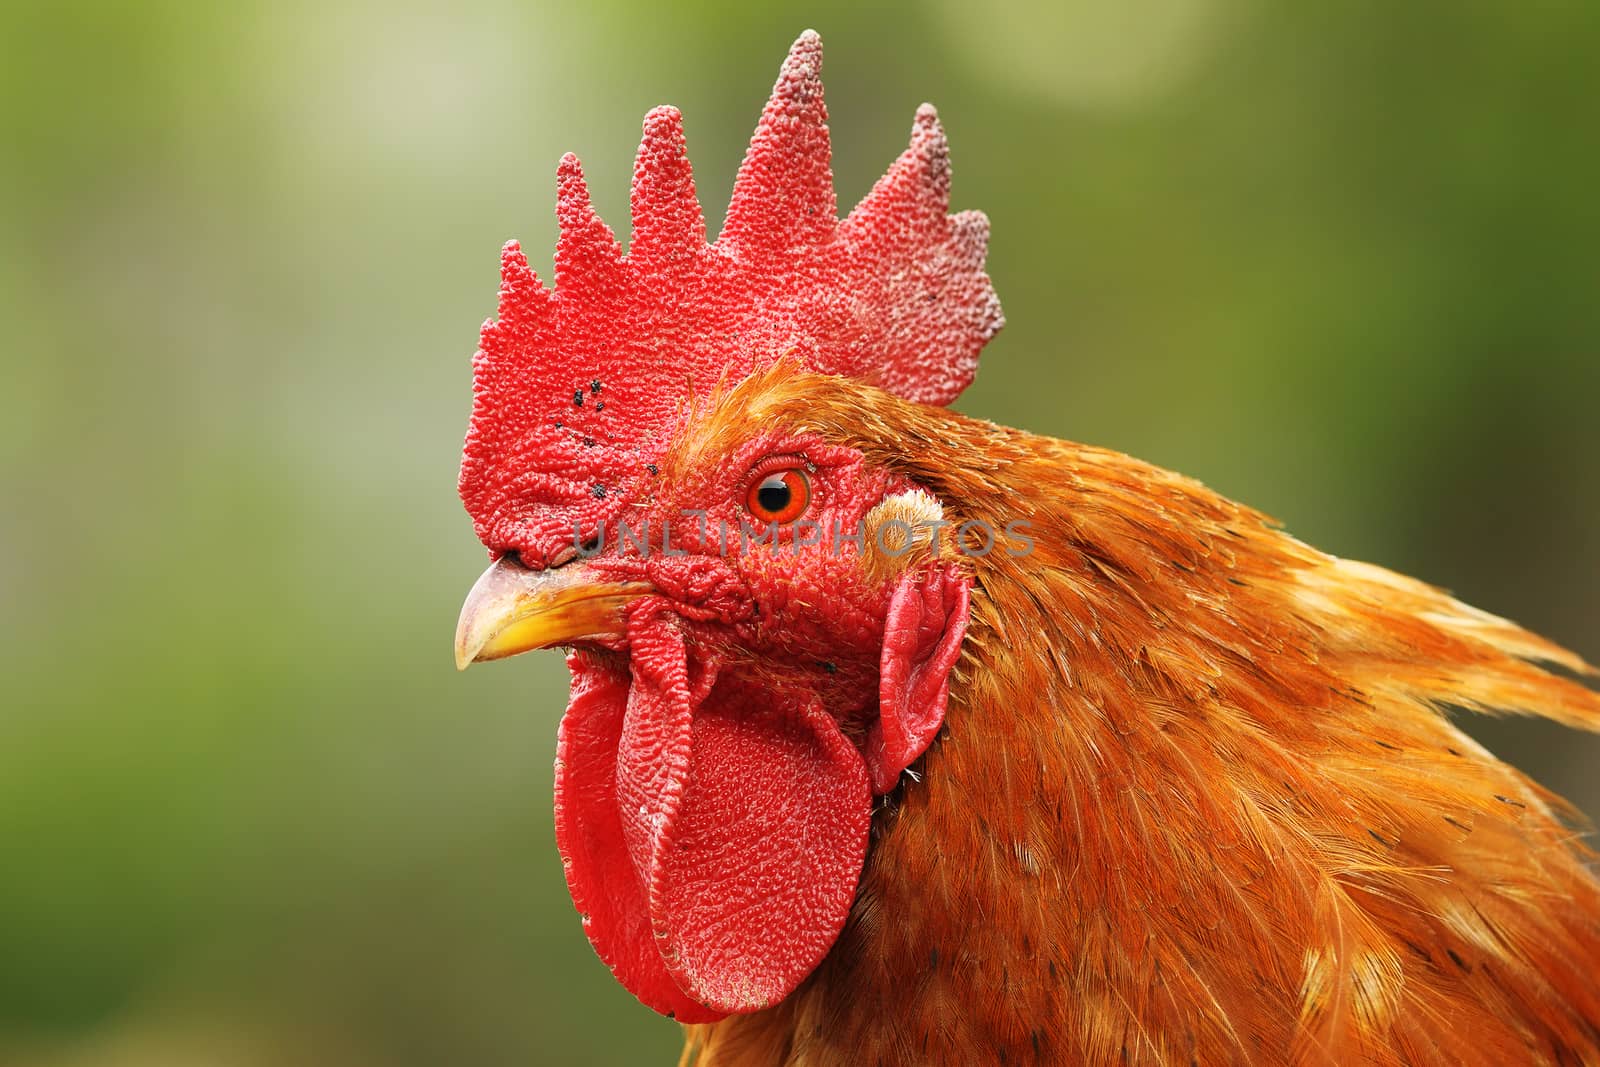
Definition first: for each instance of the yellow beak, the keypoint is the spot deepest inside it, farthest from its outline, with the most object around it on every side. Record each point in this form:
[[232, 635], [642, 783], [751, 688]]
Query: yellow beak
[[512, 609]]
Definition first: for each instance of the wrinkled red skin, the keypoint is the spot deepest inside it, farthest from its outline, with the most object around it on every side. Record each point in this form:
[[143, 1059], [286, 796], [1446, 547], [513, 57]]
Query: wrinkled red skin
[[742, 810], [576, 389], [717, 763], [920, 646], [783, 602], [732, 756]]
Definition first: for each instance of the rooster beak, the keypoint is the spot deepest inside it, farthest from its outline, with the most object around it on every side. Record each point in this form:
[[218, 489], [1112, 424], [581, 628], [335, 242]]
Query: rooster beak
[[512, 609]]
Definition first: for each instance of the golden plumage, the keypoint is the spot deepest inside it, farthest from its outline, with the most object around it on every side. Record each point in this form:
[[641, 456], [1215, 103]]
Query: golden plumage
[[1198, 799]]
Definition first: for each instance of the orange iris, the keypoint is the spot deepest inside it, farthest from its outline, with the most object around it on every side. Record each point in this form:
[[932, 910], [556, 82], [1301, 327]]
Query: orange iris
[[779, 497]]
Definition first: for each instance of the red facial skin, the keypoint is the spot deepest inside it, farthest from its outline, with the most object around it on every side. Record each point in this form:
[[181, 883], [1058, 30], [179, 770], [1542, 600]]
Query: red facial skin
[[718, 765]]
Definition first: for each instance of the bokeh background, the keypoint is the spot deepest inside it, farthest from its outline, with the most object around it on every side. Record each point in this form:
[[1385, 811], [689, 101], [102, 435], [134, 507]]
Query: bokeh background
[[1340, 260]]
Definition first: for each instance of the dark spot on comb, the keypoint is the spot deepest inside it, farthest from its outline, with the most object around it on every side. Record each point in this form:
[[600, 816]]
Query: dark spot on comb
[[832, 669], [599, 405], [599, 491], [651, 467], [594, 387], [559, 424], [577, 398], [588, 442]]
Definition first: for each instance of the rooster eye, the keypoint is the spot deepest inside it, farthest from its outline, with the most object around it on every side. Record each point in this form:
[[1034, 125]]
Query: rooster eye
[[780, 497]]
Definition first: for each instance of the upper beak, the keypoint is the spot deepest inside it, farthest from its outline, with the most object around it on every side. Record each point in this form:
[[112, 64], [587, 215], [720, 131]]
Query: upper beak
[[512, 609]]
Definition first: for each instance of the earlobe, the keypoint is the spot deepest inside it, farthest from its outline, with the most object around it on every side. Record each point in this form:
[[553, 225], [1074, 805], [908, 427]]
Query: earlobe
[[922, 635]]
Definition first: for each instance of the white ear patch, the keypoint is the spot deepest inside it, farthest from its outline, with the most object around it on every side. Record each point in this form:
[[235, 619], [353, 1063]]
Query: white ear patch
[[900, 530]]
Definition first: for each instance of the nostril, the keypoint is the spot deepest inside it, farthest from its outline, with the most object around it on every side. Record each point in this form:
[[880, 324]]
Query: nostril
[[538, 561]]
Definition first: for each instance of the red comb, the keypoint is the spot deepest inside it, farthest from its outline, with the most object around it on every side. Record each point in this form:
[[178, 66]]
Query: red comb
[[575, 389]]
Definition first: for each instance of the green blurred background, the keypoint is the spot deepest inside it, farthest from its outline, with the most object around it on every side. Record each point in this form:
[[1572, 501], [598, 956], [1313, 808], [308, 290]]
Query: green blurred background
[[1339, 260]]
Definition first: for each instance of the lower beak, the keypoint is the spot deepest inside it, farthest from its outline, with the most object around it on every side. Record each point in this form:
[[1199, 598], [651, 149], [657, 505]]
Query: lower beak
[[512, 609]]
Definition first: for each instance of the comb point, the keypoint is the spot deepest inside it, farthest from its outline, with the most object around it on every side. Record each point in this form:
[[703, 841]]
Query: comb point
[[572, 192], [804, 61], [783, 196], [969, 238], [521, 293], [932, 150], [667, 221], [907, 206], [586, 248], [514, 270]]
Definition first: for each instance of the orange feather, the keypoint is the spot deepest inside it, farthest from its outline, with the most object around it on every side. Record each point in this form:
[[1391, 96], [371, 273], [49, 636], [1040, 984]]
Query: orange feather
[[1198, 798]]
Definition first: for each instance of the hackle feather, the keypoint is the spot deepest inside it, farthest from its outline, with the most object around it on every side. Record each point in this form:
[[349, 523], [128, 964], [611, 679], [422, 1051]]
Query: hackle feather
[[1199, 798]]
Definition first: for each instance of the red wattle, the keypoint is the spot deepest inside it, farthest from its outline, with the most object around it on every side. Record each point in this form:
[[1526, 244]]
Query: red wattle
[[713, 834], [606, 888], [753, 881]]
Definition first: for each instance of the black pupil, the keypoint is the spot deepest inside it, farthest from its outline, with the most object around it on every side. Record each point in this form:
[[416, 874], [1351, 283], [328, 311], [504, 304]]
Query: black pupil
[[773, 494]]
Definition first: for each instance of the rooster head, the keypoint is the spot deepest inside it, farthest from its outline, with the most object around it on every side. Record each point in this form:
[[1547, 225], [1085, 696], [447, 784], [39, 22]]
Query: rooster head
[[762, 621]]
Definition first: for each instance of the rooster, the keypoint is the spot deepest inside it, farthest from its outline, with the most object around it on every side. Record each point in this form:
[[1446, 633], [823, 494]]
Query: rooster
[[899, 737]]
